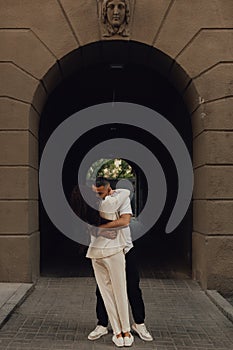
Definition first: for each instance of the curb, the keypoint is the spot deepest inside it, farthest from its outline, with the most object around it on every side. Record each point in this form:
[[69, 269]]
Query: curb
[[14, 301], [221, 303]]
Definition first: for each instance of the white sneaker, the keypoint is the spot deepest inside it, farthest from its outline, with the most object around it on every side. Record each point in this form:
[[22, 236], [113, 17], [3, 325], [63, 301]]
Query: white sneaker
[[128, 341], [142, 331], [98, 332], [119, 342]]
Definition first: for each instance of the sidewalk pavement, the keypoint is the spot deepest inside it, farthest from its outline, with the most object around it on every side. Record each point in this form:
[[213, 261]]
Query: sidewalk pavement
[[60, 312]]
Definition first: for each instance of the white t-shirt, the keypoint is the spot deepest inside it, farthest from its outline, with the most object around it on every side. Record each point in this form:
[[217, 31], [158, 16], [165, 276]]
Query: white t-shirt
[[111, 208]]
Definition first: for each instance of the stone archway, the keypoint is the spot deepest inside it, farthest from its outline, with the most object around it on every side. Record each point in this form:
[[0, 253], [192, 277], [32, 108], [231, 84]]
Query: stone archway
[[35, 45], [124, 78]]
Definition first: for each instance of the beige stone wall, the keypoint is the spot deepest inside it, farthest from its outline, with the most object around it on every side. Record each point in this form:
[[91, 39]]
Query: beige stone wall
[[195, 35], [19, 236]]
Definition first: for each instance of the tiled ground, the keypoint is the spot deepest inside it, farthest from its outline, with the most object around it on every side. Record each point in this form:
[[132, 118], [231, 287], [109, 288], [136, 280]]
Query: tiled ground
[[60, 312]]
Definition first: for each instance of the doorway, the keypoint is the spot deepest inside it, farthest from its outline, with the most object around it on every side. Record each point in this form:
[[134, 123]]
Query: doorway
[[103, 80]]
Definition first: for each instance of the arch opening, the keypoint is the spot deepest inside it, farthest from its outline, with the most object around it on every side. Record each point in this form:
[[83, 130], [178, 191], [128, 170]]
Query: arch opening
[[124, 72]]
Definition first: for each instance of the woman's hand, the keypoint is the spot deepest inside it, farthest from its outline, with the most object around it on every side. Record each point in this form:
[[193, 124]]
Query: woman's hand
[[107, 234]]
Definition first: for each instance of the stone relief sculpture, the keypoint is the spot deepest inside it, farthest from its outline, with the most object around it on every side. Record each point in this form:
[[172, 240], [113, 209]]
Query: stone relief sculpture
[[115, 17]]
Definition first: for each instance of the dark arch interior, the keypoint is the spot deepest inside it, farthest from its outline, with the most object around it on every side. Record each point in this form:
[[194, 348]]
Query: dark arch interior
[[118, 71]]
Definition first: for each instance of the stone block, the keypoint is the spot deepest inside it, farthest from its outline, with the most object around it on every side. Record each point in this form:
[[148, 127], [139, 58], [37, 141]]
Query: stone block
[[19, 258], [213, 182], [17, 84], [208, 47], [219, 114], [213, 147], [216, 83], [17, 115], [212, 261], [200, 150], [18, 217], [215, 115], [225, 10], [213, 217], [24, 48], [147, 17], [14, 146], [19, 183], [83, 16], [183, 22], [198, 123], [13, 114], [220, 263], [18, 148], [45, 18]]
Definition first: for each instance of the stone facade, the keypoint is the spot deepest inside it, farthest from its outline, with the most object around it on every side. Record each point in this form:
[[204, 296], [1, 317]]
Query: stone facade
[[196, 40]]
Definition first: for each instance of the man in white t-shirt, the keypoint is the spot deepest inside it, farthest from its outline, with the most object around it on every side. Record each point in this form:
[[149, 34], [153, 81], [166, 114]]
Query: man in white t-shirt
[[104, 191]]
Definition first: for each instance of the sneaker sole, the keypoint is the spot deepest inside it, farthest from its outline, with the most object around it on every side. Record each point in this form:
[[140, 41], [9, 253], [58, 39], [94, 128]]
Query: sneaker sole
[[98, 336], [136, 331], [118, 346]]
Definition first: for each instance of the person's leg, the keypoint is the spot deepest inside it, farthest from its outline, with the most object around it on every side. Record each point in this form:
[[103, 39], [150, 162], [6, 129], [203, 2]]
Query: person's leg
[[135, 296], [101, 312], [106, 290], [102, 316], [133, 289], [116, 267]]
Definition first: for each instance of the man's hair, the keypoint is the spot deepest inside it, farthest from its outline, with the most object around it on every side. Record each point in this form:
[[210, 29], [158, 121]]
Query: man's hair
[[101, 181]]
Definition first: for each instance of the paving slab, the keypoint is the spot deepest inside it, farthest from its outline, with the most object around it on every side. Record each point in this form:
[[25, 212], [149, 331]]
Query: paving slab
[[60, 312]]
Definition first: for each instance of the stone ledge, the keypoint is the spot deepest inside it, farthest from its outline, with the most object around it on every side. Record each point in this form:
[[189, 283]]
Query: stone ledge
[[223, 305], [11, 296]]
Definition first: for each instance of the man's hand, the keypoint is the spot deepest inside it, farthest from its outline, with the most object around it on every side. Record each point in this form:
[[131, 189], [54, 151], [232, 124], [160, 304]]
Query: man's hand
[[111, 191], [107, 234], [122, 222]]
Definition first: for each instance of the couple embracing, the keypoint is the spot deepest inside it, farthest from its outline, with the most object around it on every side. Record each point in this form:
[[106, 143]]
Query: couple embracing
[[114, 262]]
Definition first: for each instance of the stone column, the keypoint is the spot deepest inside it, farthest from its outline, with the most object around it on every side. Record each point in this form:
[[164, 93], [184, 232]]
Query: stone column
[[19, 236]]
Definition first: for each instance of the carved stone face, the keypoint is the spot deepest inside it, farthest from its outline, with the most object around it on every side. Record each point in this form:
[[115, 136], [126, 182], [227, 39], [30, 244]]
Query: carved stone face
[[116, 10]]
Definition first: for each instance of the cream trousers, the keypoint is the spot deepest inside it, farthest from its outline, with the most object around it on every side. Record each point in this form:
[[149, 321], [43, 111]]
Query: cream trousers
[[111, 279]]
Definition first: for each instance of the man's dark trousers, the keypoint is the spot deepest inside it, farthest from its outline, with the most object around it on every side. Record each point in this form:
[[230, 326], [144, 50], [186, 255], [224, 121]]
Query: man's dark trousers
[[133, 290]]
